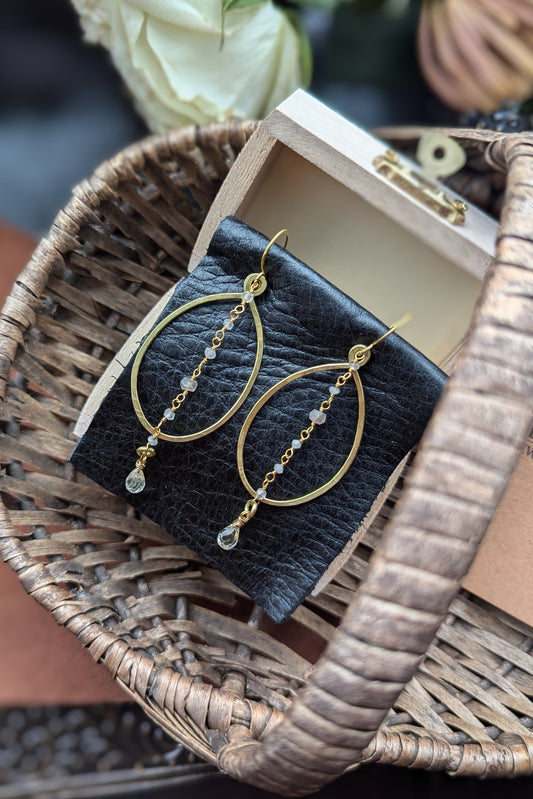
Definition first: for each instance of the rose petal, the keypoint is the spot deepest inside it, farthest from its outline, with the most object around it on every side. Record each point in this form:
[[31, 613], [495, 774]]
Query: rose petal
[[172, 59]]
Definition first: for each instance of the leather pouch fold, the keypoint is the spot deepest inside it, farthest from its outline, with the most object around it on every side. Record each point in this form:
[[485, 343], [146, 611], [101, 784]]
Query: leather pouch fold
[[193, 489]]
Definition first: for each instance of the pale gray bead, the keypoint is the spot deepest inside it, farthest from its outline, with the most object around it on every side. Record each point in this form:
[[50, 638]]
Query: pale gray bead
[[228, 324], [278, 467], [247, 296], [188, 384], [152, 440], [296, 443], [169, 414], [334, 390], [210, 353], [261, 493], [316, 416]]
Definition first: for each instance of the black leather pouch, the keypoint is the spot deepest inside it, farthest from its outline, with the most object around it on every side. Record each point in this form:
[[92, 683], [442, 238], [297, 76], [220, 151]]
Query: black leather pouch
[[193, 489]]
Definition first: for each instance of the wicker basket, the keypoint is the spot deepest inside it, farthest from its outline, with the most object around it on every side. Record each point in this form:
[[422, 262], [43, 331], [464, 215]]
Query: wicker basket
[[407, 677]]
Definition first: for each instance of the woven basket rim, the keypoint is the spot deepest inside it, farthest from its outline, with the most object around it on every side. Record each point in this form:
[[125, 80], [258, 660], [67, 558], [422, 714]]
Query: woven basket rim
[[91, 191]]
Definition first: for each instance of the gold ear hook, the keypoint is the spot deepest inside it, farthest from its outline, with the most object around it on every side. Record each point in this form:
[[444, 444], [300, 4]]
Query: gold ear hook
[[269, 245], [360, 352], [400, 323]]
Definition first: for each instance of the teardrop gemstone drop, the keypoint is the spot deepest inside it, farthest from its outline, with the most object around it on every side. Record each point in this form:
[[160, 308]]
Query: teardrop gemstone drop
[[135, 481], [229, 537]]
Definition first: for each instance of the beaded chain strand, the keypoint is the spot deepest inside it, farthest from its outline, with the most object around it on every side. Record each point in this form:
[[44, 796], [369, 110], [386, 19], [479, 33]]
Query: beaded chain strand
[[135, 481], [229, 536]]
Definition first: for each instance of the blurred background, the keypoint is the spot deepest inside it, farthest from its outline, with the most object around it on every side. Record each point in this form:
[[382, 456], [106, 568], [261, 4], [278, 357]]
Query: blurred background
[[63, 108]]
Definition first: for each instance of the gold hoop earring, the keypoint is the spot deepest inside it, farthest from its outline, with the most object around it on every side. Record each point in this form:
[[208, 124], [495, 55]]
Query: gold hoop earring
[[254, 285], [358, 356]]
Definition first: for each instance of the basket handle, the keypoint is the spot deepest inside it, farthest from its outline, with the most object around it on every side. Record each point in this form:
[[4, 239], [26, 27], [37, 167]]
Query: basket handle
[[435, 529]]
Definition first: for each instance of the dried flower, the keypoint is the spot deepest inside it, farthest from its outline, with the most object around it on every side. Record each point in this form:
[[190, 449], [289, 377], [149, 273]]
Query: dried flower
[[197, 62], [477, 54]]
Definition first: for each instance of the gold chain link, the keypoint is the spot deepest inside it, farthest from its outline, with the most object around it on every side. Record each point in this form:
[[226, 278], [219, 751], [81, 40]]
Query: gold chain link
[[216, 341], [304, 434], [148, 451]]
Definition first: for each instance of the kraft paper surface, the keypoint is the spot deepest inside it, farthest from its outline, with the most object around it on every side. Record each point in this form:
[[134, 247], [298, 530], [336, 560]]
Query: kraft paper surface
[[502, 572]]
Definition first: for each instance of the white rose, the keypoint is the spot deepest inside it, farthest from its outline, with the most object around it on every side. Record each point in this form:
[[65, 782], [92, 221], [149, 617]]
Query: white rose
[[171, 56]]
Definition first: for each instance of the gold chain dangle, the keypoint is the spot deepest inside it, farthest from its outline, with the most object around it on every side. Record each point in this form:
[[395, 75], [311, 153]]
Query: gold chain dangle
[[358, 356], [254, 285]]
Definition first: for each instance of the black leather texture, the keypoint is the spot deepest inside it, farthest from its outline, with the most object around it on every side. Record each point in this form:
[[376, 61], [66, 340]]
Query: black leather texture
[[193, 489]]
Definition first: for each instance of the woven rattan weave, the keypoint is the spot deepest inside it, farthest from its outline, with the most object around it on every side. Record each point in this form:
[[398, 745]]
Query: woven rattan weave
[[446, 686]]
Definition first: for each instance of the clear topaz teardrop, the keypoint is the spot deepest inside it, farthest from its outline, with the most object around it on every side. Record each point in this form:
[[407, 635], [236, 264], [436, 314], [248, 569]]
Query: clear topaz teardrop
[[229, 537], [135, 481]]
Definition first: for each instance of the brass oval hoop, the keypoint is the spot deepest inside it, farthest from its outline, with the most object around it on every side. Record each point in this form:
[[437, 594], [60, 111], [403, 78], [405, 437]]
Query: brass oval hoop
[[324, 367], [153, 335]]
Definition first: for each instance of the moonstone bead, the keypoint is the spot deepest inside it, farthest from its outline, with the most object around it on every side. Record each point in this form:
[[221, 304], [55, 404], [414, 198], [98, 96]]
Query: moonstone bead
[[318, 417], [261, 493], [135, 481], [354, 367], [247, 296], [210, 353], [188, 384], [152, 440], [228, 324], [334, 390], [228, 538], [278, 467], [169, 414], [296, 443]]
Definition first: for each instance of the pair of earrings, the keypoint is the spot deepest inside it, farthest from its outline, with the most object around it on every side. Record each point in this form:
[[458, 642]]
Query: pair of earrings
[[254, 285]]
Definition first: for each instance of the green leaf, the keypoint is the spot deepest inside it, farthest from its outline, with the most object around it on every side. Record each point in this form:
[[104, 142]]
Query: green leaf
[[368, 6], [328, 5], [233, 5], [306, 52]]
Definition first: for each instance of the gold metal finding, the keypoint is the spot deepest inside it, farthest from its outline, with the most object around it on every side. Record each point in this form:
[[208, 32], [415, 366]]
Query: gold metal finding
[[256, 283], [175, 404], [361, 353], [269, 245], [250, 509], [304, 435], [144, 453], [420, 187]]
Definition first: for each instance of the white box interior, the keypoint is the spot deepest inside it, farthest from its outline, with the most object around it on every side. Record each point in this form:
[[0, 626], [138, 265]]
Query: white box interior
[[358, 248]]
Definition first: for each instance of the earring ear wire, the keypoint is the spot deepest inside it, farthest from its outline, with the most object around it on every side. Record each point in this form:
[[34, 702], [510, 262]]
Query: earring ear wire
[[273, 240], [405, 319], [361, 352]]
